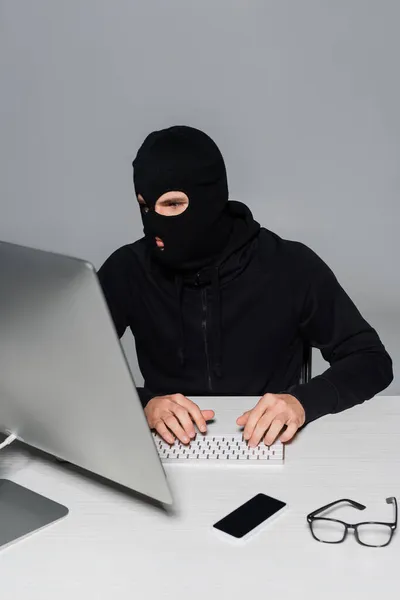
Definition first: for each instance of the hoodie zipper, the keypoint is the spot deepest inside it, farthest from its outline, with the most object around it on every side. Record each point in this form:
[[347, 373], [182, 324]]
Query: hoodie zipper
[[204, 329]]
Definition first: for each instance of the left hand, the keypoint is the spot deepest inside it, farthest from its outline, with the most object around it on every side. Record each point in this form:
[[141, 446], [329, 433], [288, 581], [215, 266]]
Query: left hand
[[267, 419]]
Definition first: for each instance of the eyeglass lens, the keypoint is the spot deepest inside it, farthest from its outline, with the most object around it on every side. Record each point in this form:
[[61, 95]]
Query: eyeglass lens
[[374, 534], [328, 531]]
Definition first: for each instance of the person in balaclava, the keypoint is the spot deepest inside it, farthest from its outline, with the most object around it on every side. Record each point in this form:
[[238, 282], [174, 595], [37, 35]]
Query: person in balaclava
[[221, 306]]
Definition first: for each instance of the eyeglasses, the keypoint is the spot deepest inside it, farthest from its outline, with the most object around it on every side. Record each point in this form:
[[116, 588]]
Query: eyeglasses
[[334, 531]]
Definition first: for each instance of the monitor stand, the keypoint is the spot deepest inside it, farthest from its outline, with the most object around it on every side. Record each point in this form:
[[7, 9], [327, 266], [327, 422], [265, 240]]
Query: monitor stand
[[23, 512]]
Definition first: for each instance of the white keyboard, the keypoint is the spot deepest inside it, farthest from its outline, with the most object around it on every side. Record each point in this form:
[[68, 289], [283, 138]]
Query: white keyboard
[[226, 448]]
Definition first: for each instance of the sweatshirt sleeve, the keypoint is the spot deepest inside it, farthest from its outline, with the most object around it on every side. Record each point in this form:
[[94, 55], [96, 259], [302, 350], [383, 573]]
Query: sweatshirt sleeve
[[113, 281], [359, 368], [116, 283], [145, 395]]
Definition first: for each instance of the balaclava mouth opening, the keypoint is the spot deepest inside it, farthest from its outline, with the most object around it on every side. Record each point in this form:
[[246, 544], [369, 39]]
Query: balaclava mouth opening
[[184, 159]]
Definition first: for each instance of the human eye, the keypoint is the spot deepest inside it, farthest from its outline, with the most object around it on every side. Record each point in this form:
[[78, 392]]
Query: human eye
[[174, 203]]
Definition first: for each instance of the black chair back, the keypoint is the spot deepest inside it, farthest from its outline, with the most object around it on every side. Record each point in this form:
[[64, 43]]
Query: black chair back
[[305, 374]]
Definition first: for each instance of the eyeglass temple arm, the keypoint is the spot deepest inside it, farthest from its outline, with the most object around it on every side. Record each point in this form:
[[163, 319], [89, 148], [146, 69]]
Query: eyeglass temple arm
[[392, 500], [352, 502]]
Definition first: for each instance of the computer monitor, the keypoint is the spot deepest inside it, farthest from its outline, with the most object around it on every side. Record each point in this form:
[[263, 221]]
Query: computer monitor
[[65, 385]]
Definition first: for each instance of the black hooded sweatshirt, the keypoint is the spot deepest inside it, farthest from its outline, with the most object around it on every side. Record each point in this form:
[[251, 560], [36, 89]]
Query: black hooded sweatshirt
[[239, 328]]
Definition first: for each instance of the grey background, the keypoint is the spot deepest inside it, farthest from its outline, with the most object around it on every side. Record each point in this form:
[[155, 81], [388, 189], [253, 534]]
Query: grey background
[[301, 96]]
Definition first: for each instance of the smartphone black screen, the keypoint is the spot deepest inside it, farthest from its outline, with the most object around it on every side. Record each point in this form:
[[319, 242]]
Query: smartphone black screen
[[249, 515]]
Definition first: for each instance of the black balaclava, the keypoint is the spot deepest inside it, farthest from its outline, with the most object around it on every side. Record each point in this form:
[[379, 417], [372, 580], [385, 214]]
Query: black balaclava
[[184, 159]]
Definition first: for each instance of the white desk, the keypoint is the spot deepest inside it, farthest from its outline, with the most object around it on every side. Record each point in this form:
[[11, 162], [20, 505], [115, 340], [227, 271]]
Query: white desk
[[112, 546]]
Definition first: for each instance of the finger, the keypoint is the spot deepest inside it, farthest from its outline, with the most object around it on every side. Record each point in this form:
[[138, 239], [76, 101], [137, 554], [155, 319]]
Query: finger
[[193, 410], [262, 427], [255, 415], [242, 420], [164, 432], [173, 424], [184, 419], [289, 433], [208, 414], [274, 430]]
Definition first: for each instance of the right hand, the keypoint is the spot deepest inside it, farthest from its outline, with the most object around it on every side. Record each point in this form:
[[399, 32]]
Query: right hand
[[173, 417]]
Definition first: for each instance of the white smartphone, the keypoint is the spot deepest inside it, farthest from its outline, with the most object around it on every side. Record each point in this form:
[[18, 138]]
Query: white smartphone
[[250, 517]]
